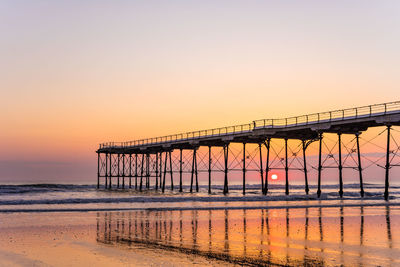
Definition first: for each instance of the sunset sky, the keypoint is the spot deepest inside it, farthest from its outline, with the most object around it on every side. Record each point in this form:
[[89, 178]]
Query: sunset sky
[[77, 73]]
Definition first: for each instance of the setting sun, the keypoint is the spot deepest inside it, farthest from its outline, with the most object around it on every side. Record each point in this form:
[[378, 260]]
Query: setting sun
[[274, 176]]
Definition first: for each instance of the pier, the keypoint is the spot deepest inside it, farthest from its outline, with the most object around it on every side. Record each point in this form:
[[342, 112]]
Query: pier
[[145, 164]]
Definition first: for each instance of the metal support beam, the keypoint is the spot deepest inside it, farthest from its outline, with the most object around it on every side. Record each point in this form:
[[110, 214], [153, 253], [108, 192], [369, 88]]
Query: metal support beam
[[261, 168], [98, 170], [196, 173], [226, 153], [106, 172], [359, 164], [244, 169], [136, 170], [130, 170], [191, 178], [110, 176], [118, 173], [268, 146], [123, 171], [209, 169], [387, 166], [141, 173], [305, 166], [319, 165], [286, 168], [171, 171], [180, 170], [165, 171], [156, 185], [147, 171], [340, 165]]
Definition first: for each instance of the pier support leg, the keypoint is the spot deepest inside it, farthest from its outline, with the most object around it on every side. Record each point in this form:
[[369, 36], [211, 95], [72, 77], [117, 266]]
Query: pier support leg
[[148, 171], [141, 173], [319, 165], [196, 172], [340, 166], [261, 168], [180, 170], [209, 169], [359, 164], [387, 166], [98, 170], [191, 178], [130, 170], [110, 176], [171, 171], [136, 170], [165, 171], [118, 173], [305, 167], [123, 171], [267, 145], [244, 169], [156, 166], [106, 172], [159, 182], [286, 168], [226, 153]]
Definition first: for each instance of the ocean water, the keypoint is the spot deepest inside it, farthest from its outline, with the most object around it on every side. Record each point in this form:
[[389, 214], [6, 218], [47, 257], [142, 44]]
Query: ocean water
[[70, 197]]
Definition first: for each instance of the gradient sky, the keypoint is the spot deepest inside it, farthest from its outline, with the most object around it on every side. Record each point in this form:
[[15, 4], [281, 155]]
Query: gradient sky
[[77, 73]]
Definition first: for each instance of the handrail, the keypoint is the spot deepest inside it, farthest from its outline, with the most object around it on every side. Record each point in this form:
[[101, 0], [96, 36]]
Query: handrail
[[314, 118]]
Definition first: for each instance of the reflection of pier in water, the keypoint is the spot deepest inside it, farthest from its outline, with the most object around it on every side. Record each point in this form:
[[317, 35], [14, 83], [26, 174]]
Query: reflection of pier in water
[[314, 236]]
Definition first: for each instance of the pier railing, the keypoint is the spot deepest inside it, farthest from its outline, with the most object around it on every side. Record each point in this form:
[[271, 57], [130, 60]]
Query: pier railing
[[303, 120]]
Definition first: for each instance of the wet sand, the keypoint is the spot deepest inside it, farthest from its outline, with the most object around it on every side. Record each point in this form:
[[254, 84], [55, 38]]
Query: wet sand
[[330, 236]]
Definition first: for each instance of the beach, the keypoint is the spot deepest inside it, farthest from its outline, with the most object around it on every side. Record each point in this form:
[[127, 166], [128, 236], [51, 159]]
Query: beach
[[203, 235]]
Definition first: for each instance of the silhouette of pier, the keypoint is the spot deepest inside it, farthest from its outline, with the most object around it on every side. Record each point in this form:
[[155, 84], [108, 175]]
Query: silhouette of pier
[[151, 159]]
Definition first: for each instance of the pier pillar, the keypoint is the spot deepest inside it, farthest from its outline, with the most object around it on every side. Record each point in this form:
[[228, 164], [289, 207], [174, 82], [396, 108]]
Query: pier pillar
[[130, 170], [387, 166], [244, 169], [147, 171], [98, 170], [286, 168], [165, 171], [106, 172], [267, 145], [209, 169], [319, 165], [118, 173], [171, 171], [159, 182], [123, 171], [359, 164], [196, 173], [156, 185], [305, 166], [261, 168], [226, 153], [110, 176], [192, 175], [141, 173], [180, 170], [340, 165], [136, 170]]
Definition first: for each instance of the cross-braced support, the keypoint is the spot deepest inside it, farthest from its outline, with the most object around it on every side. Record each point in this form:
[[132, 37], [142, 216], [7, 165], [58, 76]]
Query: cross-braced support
[[110, 176], [136, 170], [130, 170], [106, 172], [226, 153], [194, 161], [156, 166], [147, 171], [123, 171], [387, 166], [118, 174]]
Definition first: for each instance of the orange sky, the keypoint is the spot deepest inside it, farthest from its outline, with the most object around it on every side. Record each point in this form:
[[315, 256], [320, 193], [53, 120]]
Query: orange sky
[[76, 74]]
